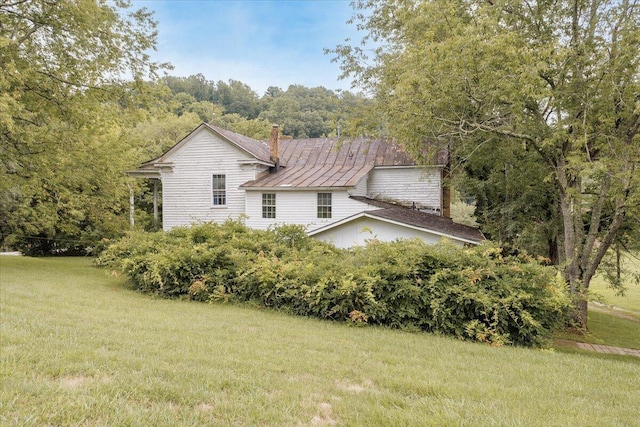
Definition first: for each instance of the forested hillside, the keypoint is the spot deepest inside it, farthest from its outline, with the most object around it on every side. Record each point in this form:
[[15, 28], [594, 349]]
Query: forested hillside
[[301, 112]]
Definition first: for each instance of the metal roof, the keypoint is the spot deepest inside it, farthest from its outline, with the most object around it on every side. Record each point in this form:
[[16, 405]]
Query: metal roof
[[332, 162], [308, 163]]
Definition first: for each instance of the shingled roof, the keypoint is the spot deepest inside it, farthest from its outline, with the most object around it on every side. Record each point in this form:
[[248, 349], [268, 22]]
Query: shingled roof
[[406, 215], [333, 162]]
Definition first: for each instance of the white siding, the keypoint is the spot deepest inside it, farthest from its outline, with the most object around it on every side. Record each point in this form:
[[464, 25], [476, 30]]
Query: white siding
[[186, 190], [300, 207], [359, 231], [360, 188], [419, 185]]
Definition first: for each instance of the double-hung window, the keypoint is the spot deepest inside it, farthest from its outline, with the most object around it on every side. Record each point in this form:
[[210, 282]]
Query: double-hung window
[[219, 190], [324, 205], [268, 205]]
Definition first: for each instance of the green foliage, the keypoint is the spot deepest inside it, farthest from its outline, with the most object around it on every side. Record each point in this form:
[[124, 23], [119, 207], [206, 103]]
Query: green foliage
[[515, 201], [301, 112], [304, 112], [63, 103], [471, 293], [557, 82]]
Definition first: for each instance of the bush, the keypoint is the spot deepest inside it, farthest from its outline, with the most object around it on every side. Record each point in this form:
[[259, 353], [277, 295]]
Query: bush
[[470, 293]]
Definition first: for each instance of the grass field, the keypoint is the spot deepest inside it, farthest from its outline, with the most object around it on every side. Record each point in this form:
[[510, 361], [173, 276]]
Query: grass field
[[613, 319], [79, 348], [630, 301]]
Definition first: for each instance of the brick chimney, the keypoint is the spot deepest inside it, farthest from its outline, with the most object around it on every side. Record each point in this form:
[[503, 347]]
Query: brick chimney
[[273, 146], [446, 199]]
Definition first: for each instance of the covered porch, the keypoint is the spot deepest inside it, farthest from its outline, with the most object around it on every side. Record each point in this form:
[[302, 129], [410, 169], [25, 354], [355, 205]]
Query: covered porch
[[152, 174]]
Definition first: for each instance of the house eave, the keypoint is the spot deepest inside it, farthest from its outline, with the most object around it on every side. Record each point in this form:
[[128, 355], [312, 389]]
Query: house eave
[[255, 162], [366, 214], [150, 174], [428, 230], [163, 165], [292, 188], [338, 223], [150, 170]]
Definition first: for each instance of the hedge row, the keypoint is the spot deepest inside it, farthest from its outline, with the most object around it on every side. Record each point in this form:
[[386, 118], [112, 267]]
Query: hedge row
[[470, 293]]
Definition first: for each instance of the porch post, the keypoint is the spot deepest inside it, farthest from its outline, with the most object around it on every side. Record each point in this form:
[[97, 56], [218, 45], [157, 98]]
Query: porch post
[[131, 208], [155, 202]]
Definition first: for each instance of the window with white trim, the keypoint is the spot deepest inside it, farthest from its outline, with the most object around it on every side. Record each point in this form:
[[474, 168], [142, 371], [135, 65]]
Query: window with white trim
[[268, 205], [219, 190], [324, 205]]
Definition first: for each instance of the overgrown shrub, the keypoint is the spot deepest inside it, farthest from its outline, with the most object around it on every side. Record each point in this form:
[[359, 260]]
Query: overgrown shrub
[[470, 293]]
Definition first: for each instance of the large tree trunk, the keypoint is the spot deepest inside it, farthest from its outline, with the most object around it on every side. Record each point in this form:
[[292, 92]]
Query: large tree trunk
[[574, 244], [584, 247], [579, 317]]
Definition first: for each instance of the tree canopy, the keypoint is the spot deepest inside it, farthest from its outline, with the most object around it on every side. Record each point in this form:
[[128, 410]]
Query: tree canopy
[[559, 80], [300, 111], [63, 67]]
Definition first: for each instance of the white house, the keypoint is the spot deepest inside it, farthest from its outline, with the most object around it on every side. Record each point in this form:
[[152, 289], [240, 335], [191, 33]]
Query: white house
[[342, 191]]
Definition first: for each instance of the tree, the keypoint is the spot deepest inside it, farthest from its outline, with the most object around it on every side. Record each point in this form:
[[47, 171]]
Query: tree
[[237, 98], [63, 65], [300, 111], [195, 85], [558, 79], [285, 111], [515, 203], [303, 112], [254, 128]]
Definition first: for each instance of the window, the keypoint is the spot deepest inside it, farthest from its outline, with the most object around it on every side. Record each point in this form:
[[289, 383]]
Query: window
[[268, 205], [219, 190], [324, 205]]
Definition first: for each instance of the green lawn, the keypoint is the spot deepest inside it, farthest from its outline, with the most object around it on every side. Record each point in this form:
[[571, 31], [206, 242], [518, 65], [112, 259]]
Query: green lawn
[[606, 327], [79, 348], [613, 319], [630, 301], [613, 330]]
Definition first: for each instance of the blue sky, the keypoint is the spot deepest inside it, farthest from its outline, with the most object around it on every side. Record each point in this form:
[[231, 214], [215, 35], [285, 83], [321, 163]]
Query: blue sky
[[260, 42]]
